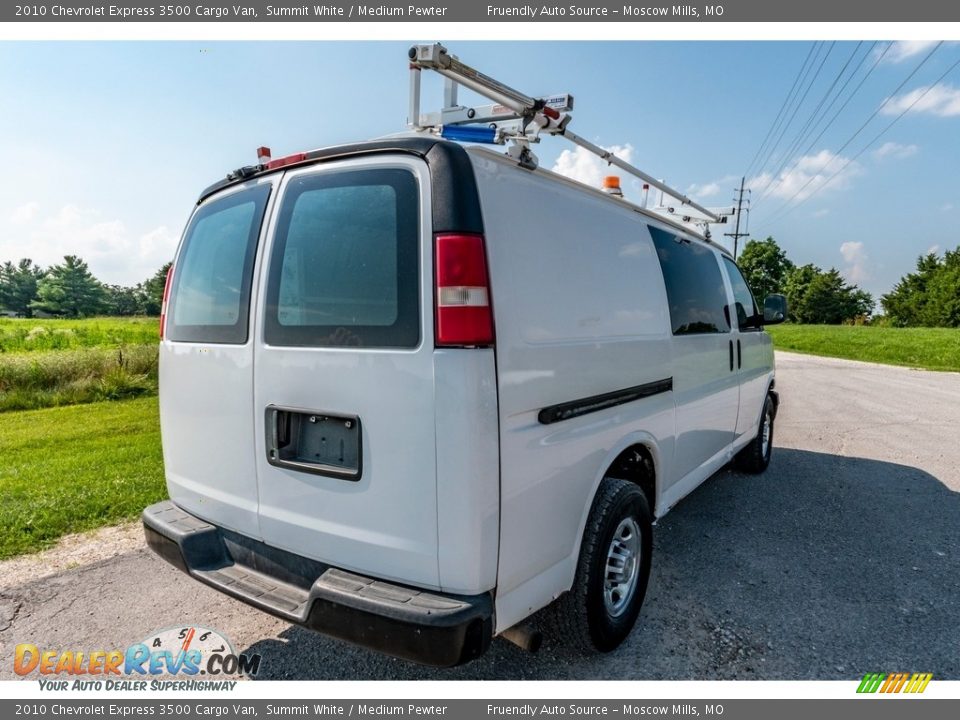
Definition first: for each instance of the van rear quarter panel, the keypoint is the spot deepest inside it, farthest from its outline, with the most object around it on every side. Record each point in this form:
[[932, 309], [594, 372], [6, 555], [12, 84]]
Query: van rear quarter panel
[[580, 310]]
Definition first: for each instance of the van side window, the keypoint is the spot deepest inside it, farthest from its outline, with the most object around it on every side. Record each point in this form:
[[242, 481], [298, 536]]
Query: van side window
[[344, 269], [210, 296], [745, 305], [695, 289]]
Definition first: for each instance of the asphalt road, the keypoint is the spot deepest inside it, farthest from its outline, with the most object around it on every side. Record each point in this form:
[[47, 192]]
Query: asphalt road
[[843, 558]]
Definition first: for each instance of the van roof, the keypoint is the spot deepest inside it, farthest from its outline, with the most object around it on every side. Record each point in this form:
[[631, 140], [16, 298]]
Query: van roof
[[673, 224], [456, 207], [451, 174], [420, 146]]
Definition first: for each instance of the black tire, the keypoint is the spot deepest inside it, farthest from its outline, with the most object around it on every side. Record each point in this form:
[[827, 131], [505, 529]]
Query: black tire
[[581, 617], [754, 458]]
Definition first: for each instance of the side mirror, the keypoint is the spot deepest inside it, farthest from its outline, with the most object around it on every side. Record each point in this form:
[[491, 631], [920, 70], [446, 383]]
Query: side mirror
[[774, 309]]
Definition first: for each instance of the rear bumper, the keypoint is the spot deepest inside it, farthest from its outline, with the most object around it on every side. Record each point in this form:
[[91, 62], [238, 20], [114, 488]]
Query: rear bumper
[[429, 628]]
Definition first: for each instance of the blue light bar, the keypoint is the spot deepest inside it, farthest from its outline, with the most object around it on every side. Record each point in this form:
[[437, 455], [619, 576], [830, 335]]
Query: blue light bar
[[464, 133]]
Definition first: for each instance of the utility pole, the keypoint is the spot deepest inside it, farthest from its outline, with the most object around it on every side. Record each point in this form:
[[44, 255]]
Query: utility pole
[[736, 234]]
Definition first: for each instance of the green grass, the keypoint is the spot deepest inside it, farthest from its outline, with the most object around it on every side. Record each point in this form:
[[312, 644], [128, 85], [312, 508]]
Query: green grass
[[928, 348], [66, 470], [19, 335], [32, 380]]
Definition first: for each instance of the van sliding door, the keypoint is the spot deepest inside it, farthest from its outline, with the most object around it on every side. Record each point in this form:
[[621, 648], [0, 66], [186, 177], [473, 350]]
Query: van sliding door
[[705, 382]]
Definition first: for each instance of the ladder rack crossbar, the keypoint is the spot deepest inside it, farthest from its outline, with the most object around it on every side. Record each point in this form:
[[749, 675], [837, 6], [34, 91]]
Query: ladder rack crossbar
[[540, 116], [612, 159]]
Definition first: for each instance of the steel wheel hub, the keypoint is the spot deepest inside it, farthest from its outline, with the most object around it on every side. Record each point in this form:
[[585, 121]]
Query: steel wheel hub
[[765, 441], [622, 568]]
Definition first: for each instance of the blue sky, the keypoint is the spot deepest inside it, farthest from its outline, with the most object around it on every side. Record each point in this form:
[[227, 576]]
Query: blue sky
[[108, 144]]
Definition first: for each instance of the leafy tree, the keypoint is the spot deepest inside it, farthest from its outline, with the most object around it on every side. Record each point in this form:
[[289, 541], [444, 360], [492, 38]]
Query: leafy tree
[[151, 291], [18, 286], [765, 266], [823, 297], [123, 301], [928, 297], [796, 286], [831, 300], [70, 289]]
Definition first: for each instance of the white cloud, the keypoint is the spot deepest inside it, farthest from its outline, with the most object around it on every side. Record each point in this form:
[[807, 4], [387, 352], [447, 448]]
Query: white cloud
[[821, 212], [714, 187], [941, 99], [580, 164], [115, 254], [25, 213], [895, 150], [808, 175], [856, 258], [703, 191], [946, 207], [933, 250], [906, 49]]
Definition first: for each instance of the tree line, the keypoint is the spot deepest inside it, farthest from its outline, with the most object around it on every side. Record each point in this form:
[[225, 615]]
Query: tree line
[[929, 297], [71, 290]]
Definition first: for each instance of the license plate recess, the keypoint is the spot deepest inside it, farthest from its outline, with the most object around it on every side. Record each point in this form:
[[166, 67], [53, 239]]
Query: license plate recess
[[314, 441]]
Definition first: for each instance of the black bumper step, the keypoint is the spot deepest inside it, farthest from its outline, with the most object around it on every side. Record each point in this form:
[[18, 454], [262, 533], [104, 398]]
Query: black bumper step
[[426, 627]]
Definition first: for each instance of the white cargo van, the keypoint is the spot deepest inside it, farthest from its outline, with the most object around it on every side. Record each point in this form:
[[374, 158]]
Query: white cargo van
[[412, 392]]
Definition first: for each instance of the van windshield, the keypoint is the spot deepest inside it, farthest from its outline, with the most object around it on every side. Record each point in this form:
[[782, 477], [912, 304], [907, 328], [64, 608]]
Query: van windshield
[[210, 296], [344, 264]]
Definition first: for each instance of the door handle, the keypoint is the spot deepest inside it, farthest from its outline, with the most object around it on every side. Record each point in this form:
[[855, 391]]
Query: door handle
[[731, 356], [739, 355]]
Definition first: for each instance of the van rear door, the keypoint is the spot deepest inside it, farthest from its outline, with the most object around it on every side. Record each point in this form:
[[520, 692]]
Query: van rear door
[[343, 370], [206, 361]]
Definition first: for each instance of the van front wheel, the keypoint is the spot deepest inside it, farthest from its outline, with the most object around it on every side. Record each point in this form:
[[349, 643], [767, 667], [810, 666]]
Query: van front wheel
[[755, 457], [608, 589]]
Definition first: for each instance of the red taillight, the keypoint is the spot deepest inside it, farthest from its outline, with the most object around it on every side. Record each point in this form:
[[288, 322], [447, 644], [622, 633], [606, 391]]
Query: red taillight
[[462, 289], [163, 306]]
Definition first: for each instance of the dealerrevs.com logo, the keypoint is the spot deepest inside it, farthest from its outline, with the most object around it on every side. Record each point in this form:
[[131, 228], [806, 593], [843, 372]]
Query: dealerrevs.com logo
[[183, 652]]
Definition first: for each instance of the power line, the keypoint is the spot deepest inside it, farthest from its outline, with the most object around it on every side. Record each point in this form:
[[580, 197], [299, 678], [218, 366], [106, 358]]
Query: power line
[[794, 114], [783, 105], [810, 124], [845, 102], [875, 138], [778, 131], [816, 174]]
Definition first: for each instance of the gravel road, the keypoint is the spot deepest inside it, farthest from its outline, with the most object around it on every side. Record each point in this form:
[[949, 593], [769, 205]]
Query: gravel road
[[843, 558]]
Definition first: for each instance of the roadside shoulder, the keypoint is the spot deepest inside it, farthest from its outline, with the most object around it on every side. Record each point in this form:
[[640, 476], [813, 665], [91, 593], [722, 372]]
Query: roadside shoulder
[[71, 552]]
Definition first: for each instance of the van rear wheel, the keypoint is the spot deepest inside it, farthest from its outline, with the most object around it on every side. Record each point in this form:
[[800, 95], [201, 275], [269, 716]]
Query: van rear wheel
[[602, 606]]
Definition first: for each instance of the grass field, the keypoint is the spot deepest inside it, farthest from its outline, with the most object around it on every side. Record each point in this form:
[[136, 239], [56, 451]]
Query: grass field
[[29, 381], [19, 335], [929, 348], [51, 363], [70, 469]]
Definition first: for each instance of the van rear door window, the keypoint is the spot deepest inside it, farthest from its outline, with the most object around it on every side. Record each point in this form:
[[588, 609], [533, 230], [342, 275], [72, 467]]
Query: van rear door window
[[344, 264], [695, 289], [210, 296]]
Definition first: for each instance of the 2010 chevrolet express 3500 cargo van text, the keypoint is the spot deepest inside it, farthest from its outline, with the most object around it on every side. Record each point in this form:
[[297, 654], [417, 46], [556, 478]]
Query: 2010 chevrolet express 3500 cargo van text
[[412, 392]]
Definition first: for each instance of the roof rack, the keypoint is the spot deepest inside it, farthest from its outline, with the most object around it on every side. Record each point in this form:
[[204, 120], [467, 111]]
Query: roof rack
[[520, 120]]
